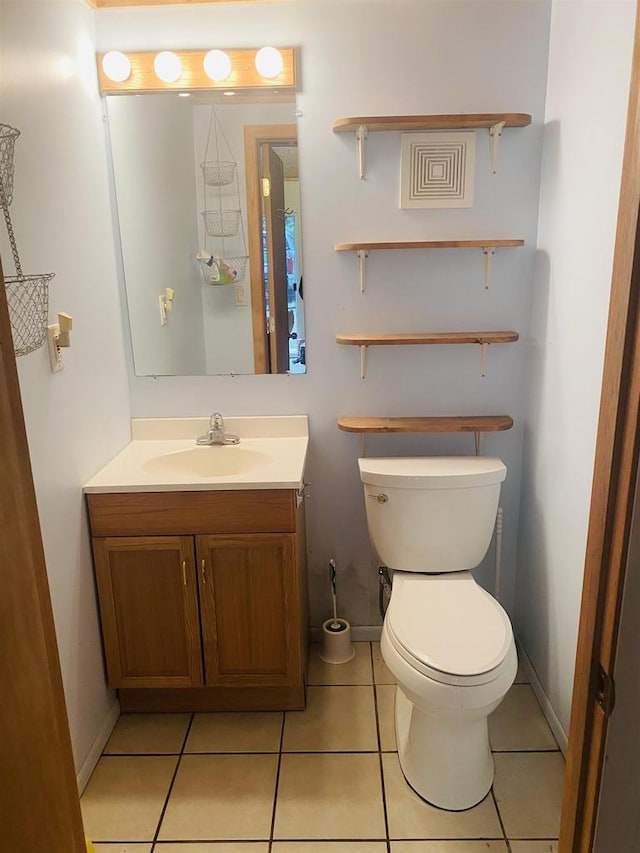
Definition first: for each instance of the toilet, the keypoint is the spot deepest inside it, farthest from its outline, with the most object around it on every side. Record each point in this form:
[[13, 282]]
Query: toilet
[[448, 643]]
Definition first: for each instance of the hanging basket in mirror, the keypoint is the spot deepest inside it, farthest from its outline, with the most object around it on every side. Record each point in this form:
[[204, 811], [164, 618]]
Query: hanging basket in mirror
[[218, 173], [224, 270], [8, 136], [28, 300], [221, 223]]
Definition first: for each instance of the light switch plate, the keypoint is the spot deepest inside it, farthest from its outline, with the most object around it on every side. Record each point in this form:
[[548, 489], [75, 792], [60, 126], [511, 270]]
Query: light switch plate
[[240, 294]]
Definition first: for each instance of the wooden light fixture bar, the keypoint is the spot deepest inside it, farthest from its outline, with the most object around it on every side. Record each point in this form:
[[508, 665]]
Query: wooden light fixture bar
[[244, 74]]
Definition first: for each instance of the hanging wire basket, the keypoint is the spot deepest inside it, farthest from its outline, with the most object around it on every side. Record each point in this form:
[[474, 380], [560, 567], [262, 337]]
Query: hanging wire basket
[[218, 173], [28, 300], [226, 270], [221, 223], [8, 136], [27, 295]]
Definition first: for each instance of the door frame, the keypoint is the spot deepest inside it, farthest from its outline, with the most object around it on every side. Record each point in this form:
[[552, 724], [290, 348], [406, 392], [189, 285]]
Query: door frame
[[39, 803], [615, 468], [254, 135]]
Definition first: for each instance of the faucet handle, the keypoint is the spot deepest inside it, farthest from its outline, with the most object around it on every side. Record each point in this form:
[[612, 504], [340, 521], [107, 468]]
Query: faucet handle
[[216, 421]]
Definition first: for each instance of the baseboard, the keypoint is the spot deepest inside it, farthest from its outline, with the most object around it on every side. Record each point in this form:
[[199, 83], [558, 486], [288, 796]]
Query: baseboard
[[359, 633], [550, 715], [87, 767]]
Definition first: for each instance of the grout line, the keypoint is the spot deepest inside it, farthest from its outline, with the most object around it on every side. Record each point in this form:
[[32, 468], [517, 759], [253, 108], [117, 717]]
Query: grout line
[[383, 791], [173, 779], [504, 831], [275, 791]]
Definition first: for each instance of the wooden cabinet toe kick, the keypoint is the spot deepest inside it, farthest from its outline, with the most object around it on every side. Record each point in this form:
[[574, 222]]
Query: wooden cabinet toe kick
[[212, 699]]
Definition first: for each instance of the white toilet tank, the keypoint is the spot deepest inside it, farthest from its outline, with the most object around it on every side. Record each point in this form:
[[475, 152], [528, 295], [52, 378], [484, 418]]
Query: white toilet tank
[[431, 514]]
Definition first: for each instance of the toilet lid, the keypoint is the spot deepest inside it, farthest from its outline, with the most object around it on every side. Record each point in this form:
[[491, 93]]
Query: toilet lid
[[448, 627]]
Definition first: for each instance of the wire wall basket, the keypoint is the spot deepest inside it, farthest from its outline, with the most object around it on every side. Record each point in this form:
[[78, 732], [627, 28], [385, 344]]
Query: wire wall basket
[[224, 270], [223, 261], [221, 223], [8, 136], [27, 295], [218, 173]]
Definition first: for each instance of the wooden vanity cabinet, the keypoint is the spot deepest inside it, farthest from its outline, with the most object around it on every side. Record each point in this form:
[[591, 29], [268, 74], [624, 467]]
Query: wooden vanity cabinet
[[202, 598]]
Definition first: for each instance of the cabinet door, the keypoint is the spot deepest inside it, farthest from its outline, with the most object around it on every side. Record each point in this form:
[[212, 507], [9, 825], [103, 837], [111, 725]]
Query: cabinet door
[[250, 609], [149, 606]]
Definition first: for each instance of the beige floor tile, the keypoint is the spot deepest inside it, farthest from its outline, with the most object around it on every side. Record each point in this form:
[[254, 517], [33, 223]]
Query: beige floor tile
[[335, 719], [329, 796], [357, 671], [386, 694], [329, 847], [518, 723], [125, 795], [148, 733], [122, 847], [410, 817], [214, 847], [448, 847], [221, 797], [534, 846], [235, 732], [528, 790], [381, 672]]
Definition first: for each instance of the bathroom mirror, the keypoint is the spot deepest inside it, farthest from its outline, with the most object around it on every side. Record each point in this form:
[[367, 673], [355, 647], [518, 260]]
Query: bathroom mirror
[[208, 208]]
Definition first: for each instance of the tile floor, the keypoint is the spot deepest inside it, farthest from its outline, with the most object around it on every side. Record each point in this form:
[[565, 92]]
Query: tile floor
[[323, 780]]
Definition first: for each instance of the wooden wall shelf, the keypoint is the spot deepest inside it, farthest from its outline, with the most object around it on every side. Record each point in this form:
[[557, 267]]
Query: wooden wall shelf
[[425, 339], [494, 122], [487, 245], [465, 423], [451, 121]]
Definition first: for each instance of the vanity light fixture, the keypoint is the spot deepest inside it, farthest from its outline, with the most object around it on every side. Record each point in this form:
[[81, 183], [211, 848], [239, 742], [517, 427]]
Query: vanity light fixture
[[167, 66], [269, 62], [217, 65], [116, 66], [233, 69]]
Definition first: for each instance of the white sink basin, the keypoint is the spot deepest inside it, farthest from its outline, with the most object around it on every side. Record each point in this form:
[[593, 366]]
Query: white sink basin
[[207, 461]]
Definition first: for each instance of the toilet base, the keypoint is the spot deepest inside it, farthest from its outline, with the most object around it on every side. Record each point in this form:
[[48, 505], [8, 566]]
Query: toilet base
[[447, 762]]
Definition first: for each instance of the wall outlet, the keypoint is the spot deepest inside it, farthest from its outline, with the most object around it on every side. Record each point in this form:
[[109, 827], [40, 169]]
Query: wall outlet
[[55, 353], [241, 294]]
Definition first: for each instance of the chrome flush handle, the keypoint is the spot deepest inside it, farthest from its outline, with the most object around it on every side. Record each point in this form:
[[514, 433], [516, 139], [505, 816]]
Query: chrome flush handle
[[381, 498]]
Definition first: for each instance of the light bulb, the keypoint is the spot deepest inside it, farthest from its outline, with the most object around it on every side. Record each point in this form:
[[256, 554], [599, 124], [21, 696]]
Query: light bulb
[[116, 66], [217, 65], [269, 62], [167, 66]]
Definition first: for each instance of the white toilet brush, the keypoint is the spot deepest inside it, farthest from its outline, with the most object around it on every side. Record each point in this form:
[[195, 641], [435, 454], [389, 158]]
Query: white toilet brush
[[336, 633]]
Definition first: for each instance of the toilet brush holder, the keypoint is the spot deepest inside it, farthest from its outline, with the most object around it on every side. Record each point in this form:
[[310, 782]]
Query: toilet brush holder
[[336, 641]]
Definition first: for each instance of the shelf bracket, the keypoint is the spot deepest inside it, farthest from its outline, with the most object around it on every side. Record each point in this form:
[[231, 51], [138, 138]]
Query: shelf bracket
[[489, 254], [363, 361], [362, 267], [479, 443], [495, 135], [484, 352], [361, 134]]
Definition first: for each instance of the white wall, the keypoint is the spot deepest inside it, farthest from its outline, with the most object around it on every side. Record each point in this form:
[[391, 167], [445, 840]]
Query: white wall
[[76, 420], [368, 58], [587, 91], [151, 141]]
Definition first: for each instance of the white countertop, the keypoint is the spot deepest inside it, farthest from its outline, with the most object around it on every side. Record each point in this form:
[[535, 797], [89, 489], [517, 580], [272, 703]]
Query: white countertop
[[276, 448]]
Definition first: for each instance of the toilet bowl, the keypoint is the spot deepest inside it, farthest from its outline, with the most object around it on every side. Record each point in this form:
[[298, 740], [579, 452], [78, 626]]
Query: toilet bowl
[[448, 643]]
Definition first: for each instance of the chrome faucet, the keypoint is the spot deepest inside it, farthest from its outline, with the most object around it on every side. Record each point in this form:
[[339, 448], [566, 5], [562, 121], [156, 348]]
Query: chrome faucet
[[216, 434]]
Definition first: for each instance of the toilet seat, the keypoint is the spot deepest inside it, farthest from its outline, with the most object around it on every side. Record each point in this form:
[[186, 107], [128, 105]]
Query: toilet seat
[[448, 628]]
